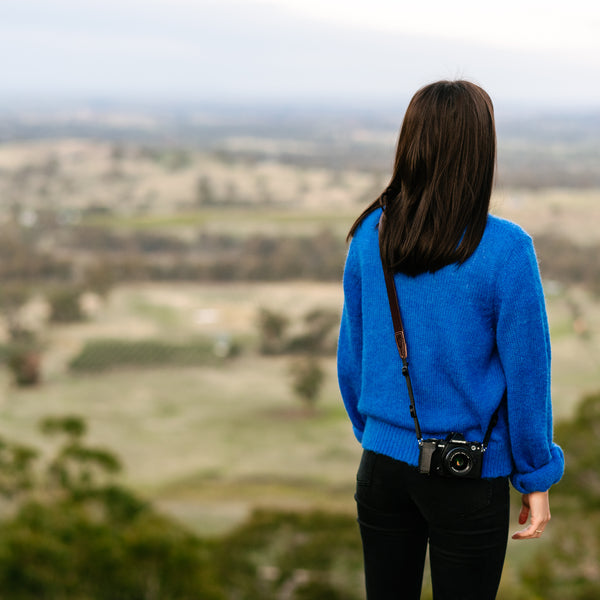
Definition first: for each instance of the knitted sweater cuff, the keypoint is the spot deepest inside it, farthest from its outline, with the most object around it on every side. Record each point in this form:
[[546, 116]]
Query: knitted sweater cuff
[[543, 478]]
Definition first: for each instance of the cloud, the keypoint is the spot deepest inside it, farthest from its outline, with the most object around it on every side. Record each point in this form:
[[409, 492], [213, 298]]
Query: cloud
[[536, 25], [253, 50]]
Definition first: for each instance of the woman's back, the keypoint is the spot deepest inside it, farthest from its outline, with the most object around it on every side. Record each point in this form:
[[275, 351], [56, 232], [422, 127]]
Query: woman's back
[[466, 331]]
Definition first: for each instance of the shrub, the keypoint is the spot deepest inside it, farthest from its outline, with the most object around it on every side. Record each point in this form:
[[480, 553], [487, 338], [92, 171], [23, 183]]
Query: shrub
[[65, 305], [300, 555], [91, 540], [272, 327], [25, 363], [307, 379], [320, 333], [568, 567]]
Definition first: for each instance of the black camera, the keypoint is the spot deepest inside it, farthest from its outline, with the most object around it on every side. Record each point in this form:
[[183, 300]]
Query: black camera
[[452, 457]]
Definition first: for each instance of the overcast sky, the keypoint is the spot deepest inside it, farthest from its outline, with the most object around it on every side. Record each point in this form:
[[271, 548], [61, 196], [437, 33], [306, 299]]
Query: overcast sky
[[533, 53]]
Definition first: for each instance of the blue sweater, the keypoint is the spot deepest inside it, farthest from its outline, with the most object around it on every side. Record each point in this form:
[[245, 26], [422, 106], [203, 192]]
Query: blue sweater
[[472, 331]]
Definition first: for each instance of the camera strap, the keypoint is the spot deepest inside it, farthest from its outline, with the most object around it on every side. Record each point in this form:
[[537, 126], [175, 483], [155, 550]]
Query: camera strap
[[401, 344], [403, 351]]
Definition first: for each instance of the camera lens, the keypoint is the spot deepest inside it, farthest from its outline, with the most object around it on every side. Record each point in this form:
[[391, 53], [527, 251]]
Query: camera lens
[[459, 461]]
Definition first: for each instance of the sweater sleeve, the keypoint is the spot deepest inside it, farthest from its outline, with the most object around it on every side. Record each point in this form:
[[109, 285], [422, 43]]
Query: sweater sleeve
[[349, 353], [523, 341]]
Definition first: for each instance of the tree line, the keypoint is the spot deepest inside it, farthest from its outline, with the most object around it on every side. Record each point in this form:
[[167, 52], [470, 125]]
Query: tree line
[[93, 253], [98, 257]]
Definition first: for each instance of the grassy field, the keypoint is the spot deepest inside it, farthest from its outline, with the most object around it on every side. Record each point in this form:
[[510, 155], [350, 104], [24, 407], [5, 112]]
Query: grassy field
[[131, 186], [209, 443]]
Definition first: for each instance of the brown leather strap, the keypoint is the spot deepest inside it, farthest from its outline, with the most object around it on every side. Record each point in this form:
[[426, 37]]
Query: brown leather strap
[[396, 318], [401, 344]]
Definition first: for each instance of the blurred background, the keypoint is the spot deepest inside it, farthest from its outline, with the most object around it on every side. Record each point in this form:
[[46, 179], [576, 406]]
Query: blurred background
[[177, 178]]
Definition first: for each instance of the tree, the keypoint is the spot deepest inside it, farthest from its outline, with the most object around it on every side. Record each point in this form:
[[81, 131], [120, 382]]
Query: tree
[[205, 193], [25, 361], [300, 556], [12, 298], [23, 352], [317, 336], [568, 567], [272, 327], [65, 305], [307, 379], [99, 277], [77, 534]]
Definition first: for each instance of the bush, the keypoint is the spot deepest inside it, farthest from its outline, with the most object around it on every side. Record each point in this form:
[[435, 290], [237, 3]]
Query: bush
[[580, 440], [67, 550], [568, 567], [320, 333], [297, 555], [88, 539], [81, 536], [65, 306], [25, 363], [272, 327], [307, 379]]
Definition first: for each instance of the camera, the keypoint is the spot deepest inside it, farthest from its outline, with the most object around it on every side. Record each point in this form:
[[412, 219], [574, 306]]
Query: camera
[[452, 457]]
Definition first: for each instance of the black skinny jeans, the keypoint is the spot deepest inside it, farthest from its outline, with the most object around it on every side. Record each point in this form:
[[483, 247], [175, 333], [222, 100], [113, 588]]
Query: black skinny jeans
[[465, 522]]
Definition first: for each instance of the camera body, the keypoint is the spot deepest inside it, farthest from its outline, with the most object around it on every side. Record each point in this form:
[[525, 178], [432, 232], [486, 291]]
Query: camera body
[[452, 457]]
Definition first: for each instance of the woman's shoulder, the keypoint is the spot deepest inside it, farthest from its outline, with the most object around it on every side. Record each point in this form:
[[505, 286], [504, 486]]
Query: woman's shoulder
[[368, 226], [503, 243], [505, 250], [504, 233], [506, 227]]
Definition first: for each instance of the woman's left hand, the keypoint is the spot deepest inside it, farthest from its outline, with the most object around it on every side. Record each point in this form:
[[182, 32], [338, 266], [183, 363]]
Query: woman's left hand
[[536, 505]]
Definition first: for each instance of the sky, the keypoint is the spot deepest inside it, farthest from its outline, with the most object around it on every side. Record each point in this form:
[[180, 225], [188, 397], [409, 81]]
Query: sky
[[524, 52]]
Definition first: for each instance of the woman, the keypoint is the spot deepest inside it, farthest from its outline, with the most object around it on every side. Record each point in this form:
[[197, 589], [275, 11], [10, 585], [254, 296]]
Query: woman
[[473, 310]]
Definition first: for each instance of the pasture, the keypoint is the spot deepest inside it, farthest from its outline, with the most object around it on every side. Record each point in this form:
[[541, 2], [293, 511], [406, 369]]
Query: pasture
[[211, 442]]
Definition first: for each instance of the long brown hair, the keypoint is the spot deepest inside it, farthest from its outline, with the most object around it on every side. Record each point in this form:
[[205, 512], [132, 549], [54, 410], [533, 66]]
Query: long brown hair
[[437, 201]]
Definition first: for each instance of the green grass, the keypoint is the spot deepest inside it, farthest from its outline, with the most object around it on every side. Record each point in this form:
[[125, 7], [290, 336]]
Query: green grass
[[210, 442], [164, 316], [212, 434], [288, 221], [146, 221], [566, 212]]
